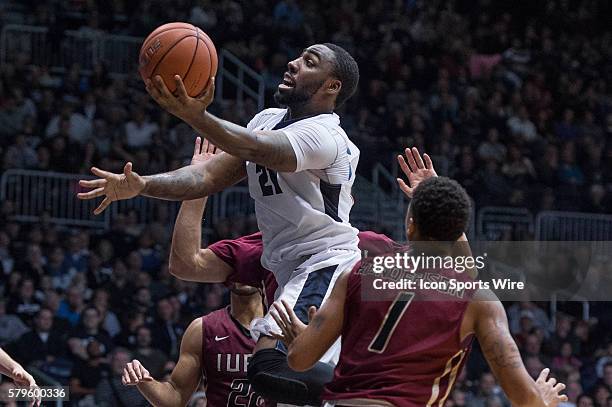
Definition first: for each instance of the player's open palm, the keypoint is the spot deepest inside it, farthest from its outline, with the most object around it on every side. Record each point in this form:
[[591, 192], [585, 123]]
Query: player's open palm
[[550, 390], [416, 168], [113, 187], [203, 151], [134, 372], [289, 323], [180, 104]]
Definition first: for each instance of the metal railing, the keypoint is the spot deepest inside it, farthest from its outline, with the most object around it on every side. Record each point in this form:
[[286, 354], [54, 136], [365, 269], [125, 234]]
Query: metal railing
[[39, 194], [494, 222], [245, 80], [576, 226]]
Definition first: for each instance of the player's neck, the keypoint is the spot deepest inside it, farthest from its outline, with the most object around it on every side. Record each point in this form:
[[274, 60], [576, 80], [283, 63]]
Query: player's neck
[[299, 111], [246, 308]]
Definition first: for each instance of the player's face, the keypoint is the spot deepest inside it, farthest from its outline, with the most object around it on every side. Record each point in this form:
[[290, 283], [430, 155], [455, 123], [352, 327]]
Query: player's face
[[305, 76]]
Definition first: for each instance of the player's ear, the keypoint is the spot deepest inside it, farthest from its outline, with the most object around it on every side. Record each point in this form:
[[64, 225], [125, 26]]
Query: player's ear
[[334, 86], [411, 229]]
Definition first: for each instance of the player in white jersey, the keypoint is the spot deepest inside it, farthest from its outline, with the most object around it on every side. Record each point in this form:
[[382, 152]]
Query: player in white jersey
[[300, 166]]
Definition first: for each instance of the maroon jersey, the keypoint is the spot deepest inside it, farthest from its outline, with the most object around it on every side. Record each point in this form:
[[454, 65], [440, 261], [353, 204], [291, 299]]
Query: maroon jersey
[[243, 256], [405, 351], [226, 349]]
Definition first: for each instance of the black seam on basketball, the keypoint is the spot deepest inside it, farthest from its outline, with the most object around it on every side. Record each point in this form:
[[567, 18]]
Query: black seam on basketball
[[193, 57], [210, 59], [161, 32], [166, 53]]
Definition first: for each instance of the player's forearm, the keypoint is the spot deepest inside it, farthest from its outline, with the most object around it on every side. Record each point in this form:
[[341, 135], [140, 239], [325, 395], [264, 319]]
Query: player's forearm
[[161, 394], [271, 149], [195, 181], [187, 238], [229, 137], [7, 364]]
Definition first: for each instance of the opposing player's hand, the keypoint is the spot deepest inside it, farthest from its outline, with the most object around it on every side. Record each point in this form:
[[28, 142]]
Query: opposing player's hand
[[134, 373], [180, 105], [114, 187], [289, 323], [203, 151], [550, 390], [416, 170], [23, 378]]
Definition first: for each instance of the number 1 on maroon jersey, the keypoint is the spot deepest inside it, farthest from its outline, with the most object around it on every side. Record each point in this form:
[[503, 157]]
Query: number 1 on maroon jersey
[[395, 313]]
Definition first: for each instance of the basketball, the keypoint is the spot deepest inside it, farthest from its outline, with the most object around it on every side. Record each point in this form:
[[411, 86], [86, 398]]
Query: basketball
[[179, 49]]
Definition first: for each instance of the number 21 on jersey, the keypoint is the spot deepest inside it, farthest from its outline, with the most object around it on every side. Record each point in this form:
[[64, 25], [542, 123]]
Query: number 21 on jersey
[[268, 181]]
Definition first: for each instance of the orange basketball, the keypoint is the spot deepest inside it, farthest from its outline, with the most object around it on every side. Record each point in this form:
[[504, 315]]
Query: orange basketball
[[179, 49]]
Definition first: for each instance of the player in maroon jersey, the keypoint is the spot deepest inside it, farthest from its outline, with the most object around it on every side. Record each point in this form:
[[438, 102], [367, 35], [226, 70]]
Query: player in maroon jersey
[[215, 348], [409, 351]]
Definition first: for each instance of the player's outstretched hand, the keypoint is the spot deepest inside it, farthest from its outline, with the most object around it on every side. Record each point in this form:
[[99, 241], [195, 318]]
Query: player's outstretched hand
[[550, 390], [23, 378], [417, 169], [134, 373], [203, 151], [289, 323], [114, 187], [180, 105]]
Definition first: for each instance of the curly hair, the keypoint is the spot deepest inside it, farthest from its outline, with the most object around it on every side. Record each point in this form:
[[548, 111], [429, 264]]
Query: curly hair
[[346, 70], [440, 209]]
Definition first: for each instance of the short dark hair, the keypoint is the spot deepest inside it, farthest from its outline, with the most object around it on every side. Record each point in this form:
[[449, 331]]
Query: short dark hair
[[346, 70], [440, 208]]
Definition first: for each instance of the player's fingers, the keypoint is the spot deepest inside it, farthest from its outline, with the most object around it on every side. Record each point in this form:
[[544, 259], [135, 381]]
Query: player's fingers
[[127, 169], [404, 187], [180, 88], [92, 183], [552, 381], [311, 313], [403, 165], [132, 373], [291, 314], [107, 201], [559, 387], [418, 158], [152, 90], [277, 319], [198, 146], [562, 398], [91, 194], [161, 87], [410, 158], [428, 162], [283, 314], [543, 375], [101, 173]]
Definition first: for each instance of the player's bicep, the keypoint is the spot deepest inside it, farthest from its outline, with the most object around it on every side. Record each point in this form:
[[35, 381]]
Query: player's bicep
[[210, 268], [321, 333], [188, 370], [314, 146]]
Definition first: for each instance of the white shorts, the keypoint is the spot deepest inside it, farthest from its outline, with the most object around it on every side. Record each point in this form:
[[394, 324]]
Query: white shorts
[[309, 284]]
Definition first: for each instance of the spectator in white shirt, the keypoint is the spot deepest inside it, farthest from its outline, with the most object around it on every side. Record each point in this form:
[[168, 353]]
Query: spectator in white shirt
[[139, 131]]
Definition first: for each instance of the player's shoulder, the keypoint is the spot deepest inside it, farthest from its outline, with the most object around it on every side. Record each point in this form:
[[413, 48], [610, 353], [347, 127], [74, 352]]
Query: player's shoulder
[[265, 115]]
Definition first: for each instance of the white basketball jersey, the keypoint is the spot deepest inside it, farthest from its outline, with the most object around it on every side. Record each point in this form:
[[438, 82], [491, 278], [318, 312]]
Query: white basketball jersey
[[306, 212]]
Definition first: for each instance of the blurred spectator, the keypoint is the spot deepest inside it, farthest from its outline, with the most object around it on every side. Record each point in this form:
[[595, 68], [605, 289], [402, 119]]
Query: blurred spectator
[[11, 326], [89, 330], [47, 342], [166, 331], [24, 305], [110, 392], [71, 308], [86, 374], [152, 359]]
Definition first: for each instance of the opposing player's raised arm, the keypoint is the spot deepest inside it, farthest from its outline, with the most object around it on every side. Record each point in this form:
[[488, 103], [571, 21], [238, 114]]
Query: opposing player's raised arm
[[488, 320], [185, 376], [306, 348], [188, 260]]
